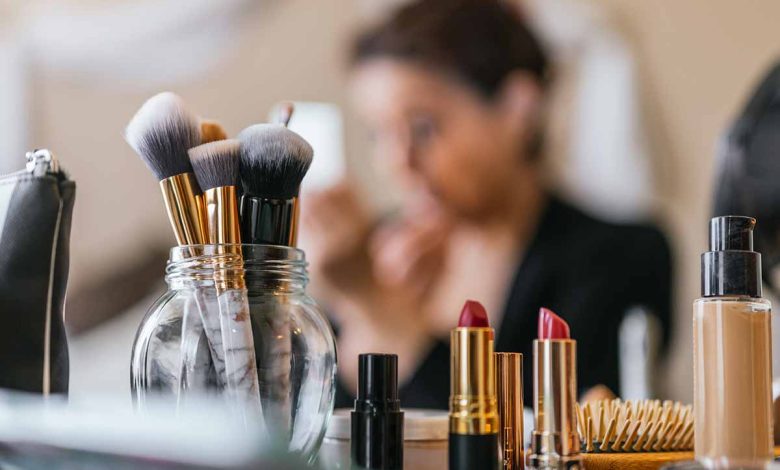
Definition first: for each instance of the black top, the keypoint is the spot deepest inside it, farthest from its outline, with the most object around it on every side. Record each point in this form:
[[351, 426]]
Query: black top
[[587, 271]]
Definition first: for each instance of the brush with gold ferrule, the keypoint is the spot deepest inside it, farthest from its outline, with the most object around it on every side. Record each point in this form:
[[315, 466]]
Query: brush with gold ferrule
[[161, 132], [216, 166]]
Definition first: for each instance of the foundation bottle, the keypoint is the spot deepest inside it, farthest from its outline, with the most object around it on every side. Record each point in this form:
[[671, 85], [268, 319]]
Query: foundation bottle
[[732, 352]]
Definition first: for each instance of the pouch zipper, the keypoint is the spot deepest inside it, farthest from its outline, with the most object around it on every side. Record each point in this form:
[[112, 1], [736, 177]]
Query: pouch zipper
[[40, 162]]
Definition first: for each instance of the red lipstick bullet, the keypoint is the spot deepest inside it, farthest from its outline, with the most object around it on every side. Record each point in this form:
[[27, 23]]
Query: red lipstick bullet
[[551, 326], [473, 315]]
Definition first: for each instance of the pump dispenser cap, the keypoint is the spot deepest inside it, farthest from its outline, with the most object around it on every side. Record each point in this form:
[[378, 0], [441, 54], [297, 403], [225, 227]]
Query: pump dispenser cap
[[377, 420], [731, 267]]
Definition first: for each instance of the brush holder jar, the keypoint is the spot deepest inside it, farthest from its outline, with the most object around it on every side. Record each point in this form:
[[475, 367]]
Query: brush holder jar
[[267, 351]]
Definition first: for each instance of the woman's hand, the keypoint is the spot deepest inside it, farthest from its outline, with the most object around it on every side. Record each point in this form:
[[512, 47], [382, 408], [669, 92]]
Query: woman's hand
[[336, 226], [409, 255], [375, 280]]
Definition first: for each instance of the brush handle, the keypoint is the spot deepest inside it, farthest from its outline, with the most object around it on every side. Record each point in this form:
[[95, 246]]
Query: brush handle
[[241, 382], [206, 302], [274, 350], [268, 221], [195, 354]]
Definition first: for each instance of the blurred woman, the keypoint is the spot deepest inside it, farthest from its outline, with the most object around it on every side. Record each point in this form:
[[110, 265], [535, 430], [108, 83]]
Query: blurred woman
[[454, 92]]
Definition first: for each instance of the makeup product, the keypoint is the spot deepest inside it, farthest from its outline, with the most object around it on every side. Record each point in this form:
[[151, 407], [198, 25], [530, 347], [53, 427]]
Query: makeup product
[[274, 161], [554, 442], [161, 132], [732, 351], [612, 426], [509, 394], [377, 420], [473, 441], [216, 168], [425, 440]]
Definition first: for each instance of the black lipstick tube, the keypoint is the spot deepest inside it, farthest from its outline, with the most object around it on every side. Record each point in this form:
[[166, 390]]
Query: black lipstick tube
[[377, 421], [473, 406]]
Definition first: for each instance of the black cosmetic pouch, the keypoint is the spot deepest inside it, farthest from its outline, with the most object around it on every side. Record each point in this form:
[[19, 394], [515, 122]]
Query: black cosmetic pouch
[[36, 206]]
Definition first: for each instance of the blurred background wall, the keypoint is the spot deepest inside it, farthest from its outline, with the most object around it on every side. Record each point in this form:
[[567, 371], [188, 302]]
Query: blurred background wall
[[695, 61]]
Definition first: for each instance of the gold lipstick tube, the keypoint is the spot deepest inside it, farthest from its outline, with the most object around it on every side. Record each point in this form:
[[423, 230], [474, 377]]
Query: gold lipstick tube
[[224, 228], [186, 209], [473, 385], [554, 443], [509, 392]]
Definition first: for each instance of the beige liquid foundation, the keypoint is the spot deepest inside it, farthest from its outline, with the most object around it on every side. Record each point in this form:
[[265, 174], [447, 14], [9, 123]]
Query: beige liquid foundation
[[732, 352]]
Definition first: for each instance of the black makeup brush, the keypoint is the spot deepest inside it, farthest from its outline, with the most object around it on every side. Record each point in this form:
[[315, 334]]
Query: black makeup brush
[[161, 132], [274, 161]]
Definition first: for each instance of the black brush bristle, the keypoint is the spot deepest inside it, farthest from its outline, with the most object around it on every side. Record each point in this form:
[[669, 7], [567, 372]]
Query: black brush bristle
[[161, 132], [216, 163], [274, 161]]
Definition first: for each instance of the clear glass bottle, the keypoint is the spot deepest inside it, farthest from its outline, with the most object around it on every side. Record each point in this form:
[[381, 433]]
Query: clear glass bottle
[[178, 350], [732, 352]]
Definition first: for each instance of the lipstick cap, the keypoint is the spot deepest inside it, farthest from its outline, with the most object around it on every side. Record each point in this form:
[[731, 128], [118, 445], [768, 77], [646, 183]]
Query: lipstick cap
[[377, 420], [509, 392]]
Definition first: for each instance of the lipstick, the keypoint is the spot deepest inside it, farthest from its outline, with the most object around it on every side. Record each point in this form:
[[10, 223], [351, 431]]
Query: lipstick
[[554, 443], [473, 440], [509, 392]]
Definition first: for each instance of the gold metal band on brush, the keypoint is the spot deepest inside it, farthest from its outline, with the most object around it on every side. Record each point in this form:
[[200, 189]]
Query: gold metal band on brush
[[186, 209], [555, 442], [224, 230], [222, 209], [473, 401], [509, 393]]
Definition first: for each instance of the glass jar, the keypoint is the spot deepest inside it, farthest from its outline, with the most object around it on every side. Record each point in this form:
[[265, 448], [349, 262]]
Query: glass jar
[[279, 365]]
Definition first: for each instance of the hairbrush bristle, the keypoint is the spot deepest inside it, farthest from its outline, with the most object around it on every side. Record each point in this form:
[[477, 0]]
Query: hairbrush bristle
[[644, 426], [161, 132], [216, 163], [274, 161]]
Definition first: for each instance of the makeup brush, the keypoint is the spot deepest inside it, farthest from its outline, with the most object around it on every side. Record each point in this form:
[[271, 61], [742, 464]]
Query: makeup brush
[[611, 426], [211, 131], [161, 132], [283, 113], [216, 167], [274, 161]]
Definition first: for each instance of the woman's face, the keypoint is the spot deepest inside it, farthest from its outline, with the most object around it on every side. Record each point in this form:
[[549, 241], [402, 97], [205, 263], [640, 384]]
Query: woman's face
[[441, 136]]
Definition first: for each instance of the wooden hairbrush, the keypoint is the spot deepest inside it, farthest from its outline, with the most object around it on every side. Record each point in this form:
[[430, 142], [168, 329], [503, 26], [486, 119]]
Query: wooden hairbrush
[[614, 426]]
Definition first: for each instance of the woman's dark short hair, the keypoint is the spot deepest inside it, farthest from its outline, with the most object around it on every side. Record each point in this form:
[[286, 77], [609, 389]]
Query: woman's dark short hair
[[480, 42]]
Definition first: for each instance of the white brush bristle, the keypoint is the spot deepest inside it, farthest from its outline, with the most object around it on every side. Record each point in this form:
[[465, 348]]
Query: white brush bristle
[[161, 132], [216, 163], [274, 160]]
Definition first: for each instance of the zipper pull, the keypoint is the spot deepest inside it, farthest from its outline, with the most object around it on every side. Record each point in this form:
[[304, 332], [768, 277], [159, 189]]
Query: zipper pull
[[42, 161]]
